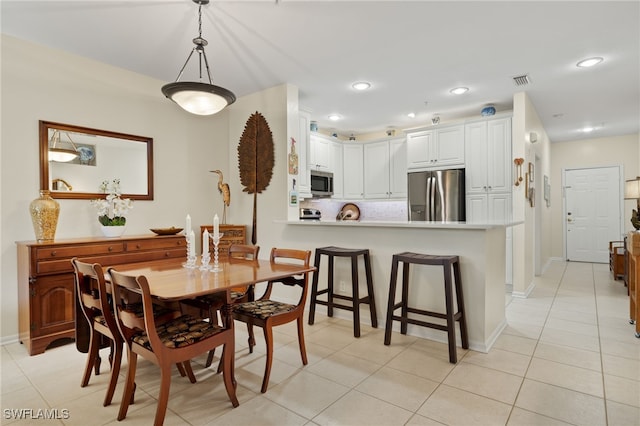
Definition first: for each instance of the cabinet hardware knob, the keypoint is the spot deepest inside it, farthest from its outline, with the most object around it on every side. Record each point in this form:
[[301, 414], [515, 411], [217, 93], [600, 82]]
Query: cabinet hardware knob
[[53, 253], [137, 246], [110, 248]]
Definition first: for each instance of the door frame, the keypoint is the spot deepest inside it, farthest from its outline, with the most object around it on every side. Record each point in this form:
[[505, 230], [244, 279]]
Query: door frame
[[621, 175]]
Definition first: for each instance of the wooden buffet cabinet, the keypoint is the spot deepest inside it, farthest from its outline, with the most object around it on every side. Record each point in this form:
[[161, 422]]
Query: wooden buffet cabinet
[[46, 297], [633, 247]]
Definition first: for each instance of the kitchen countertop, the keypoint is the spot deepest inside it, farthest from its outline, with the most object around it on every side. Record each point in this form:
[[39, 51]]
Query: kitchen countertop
[[400, 224]]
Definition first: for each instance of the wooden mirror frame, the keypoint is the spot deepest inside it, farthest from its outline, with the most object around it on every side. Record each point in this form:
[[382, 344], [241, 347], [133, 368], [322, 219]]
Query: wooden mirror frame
[[45, 126]]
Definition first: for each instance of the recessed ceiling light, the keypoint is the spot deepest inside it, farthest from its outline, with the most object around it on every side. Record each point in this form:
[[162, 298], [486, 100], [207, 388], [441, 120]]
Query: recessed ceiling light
[[586, 63], [411, 115], [588, 129], [459, 90], [335, 117], [361, 85]]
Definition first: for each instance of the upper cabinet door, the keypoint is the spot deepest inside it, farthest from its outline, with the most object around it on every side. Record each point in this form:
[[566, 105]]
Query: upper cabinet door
[[499, 150], [476, 154], [419, 147], [304, 178], [319, 153], [353, 187], [398, 168], [376, 170], [449, 146]]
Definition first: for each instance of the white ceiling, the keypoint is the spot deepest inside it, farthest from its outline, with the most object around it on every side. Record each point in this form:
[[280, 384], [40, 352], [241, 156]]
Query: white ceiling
[[412, 52]]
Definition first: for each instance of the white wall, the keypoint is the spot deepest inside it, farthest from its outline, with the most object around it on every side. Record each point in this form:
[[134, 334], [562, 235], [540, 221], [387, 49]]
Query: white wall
[[598, 152], [44, 84]]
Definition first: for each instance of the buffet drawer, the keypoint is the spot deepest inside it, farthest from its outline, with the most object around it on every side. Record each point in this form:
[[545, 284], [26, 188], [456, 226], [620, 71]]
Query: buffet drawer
[[155, 244], [62, 252]]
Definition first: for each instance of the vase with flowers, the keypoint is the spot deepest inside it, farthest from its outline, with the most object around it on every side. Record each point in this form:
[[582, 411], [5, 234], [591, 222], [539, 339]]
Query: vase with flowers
[[112, 209]]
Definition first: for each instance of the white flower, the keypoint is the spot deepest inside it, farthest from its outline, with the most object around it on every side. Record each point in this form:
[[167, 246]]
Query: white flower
[[111, 210]]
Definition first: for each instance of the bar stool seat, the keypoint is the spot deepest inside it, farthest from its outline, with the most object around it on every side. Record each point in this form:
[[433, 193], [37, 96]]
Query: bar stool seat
[[332, 252], [448, 264]]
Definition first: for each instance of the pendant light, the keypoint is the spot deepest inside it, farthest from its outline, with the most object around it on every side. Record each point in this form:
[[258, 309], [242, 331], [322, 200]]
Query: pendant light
[[198, 97], [59, 154]]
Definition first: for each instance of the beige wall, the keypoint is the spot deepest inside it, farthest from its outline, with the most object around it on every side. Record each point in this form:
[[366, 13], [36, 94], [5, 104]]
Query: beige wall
[[44, 84], [599, 152]]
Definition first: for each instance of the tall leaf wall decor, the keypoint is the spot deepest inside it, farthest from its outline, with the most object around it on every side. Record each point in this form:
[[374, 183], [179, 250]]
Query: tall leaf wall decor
[[255, 160]]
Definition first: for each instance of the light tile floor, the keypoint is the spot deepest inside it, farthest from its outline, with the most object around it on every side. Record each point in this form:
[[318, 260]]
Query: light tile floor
[[568, 356]]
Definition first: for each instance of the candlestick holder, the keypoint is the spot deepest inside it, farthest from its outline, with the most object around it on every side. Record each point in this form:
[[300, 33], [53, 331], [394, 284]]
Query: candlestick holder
[[191, 258], [216, 241], [205, 258]]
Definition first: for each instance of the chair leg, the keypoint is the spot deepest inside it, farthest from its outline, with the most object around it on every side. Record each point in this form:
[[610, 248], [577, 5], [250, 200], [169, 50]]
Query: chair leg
[[163, 396], [189, 371], [210, 356], [252, 338], [115, 371], [303, 348], [227, 376], [392, 301], [91, 358], [129, 388], [268, 338]]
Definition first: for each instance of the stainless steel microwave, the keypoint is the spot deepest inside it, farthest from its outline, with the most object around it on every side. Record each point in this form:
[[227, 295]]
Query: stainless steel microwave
[[321, 183]]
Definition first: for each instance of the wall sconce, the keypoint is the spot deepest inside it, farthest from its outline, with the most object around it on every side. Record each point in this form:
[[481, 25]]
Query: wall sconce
[[518, 162], [632, 192], [59, 154]]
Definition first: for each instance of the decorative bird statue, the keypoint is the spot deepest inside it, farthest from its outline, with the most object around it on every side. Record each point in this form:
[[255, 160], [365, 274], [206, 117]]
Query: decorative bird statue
[[223, 188]]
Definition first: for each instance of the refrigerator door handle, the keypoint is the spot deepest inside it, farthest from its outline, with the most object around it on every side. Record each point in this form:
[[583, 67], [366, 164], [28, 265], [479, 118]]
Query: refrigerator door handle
[[430, 199]]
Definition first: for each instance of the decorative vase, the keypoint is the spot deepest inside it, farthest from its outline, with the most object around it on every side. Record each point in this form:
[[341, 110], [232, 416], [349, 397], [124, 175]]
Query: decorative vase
[[44, 215], [112, 231]]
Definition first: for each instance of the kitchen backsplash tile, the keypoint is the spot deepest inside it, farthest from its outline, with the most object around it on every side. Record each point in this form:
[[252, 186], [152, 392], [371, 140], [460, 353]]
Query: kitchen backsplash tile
[[392, 210]]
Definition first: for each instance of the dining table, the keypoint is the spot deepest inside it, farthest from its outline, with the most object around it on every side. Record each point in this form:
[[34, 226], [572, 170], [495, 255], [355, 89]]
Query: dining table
[[170, 281]]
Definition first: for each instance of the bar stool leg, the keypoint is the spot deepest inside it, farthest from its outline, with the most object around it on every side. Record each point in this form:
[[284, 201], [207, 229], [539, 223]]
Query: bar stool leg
[[451, 322], [330, 285], [356, 296], [463, 318], [405, 298], [392, 301], [314, 289], [372, 301]]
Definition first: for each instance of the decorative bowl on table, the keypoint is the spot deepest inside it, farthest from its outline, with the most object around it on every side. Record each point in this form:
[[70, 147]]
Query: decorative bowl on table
[[166, 231]]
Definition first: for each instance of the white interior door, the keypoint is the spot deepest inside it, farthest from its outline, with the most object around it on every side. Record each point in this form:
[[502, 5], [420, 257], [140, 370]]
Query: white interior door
[[592, 212]]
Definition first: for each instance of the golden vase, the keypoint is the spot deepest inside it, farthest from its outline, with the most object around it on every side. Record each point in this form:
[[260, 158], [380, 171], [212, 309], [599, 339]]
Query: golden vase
[[44, 215]]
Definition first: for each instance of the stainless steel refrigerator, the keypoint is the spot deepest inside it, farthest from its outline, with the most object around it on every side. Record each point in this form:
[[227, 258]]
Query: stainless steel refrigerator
[[437, 196]]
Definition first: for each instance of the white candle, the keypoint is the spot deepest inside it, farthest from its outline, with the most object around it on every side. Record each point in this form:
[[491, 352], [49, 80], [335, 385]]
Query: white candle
[[188, 225], [205, 241], [192, 243], [216, 227]]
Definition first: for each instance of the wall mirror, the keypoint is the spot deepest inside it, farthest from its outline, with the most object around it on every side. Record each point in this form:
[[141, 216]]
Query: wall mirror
[[75, 160]]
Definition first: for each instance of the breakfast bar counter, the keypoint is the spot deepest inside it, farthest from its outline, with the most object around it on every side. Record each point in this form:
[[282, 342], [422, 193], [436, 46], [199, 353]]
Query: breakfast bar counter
[[482, 252]]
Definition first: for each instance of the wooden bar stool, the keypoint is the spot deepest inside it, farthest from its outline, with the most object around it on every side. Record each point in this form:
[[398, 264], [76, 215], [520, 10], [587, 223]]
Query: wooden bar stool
[[448, 263], [332, 252]]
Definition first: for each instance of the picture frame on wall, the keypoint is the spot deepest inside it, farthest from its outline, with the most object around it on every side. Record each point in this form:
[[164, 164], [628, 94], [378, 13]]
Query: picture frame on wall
[[547, 190], [531, 173]]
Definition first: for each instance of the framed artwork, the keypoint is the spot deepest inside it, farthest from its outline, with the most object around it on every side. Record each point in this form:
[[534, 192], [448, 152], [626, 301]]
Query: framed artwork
[[526, 185], [532, 197], [547, 190], [531, 174]]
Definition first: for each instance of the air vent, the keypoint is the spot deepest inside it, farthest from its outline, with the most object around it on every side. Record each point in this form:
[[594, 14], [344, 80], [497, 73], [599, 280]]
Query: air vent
[[521, 80]]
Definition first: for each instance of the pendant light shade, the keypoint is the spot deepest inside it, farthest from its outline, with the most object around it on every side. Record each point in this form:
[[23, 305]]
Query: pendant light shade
[[59, 154], [198, 97]]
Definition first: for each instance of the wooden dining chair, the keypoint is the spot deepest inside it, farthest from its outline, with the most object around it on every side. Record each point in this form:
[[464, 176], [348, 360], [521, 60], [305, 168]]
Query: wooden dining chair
[[267, 313], [211, 304], [93, 300], [173, 342]]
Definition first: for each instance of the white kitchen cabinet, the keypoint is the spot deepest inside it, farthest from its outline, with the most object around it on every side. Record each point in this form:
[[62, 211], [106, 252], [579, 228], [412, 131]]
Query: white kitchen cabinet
[[353, 172], [437, 148], [336, 164], [488, 208], [385, 170], [303, 180], [488, 170], [488, 154], [319, 153]]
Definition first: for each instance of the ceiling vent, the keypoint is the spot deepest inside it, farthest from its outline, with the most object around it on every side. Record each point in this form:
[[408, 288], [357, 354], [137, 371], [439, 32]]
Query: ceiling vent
[[521, 80]]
